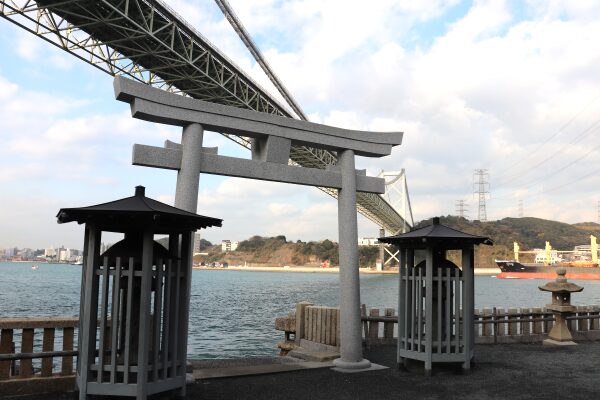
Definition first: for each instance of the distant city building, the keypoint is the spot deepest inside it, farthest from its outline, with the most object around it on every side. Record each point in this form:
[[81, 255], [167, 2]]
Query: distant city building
[[10, 252], [229, 245], [50, 252], [25, 253], [368, 242], [197, 239]]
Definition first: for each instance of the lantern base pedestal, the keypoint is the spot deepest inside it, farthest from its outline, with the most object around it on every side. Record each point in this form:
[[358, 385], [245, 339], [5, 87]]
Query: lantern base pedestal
[[351, 366], [552, 342]]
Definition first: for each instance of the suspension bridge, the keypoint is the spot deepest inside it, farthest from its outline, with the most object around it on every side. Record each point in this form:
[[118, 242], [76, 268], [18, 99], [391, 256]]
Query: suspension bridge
[[148, 41]]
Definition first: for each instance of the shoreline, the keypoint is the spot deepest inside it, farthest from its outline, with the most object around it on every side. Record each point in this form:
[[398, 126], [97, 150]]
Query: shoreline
[[331, 270]]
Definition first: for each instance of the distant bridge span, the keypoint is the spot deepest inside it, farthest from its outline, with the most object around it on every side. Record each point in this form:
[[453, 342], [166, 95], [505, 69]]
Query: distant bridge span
[[147, 41]]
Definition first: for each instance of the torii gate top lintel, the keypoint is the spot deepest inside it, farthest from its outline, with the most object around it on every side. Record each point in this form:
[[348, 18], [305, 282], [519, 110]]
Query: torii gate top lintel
[[156, 105]]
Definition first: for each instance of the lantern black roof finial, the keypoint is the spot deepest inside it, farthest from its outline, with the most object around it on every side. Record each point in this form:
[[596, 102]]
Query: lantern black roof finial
[[140, 191]]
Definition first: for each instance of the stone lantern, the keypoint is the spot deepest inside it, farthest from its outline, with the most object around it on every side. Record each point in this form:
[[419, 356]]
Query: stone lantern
[[436, 296], [561, 307], [133, 320]]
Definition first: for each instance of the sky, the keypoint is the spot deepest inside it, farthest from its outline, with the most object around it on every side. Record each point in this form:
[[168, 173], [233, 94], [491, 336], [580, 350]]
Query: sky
[[512, 87]]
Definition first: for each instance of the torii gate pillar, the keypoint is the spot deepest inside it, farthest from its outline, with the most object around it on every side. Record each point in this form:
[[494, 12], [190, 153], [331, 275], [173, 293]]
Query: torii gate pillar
[[188, 175], [350, 333]]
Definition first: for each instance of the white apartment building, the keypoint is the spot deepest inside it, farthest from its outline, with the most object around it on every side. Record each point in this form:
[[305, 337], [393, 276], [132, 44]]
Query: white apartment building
[[229, 245]]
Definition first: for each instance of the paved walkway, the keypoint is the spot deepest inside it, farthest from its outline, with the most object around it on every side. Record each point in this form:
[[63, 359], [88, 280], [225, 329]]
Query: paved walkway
[[512, 371]]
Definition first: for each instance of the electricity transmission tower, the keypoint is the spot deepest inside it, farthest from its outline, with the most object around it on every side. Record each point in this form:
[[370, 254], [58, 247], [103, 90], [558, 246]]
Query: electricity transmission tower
[[520, 208], [462, 209], [481, 188]]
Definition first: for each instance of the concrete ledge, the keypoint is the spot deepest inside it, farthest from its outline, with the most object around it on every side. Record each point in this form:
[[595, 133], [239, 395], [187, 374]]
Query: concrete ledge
[[318, 356], [244, 367], [37, 385], [318, 347]]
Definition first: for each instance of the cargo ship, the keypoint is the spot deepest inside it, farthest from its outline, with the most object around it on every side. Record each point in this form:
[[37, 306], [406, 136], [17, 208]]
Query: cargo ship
[[581, 263]]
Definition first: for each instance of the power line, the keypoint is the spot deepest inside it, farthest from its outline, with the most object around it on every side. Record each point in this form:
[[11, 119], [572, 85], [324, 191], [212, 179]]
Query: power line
[[562, 128], [590, 129]]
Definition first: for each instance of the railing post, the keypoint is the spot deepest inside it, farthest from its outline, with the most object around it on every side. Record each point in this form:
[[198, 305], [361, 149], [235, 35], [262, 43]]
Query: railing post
[[495, 323], [388, 327], [512, 325], [6, 346], [537, 325], [525, 321], [487, 325], [67, 361], [26, 368], [47, 345], [501, 317], [300, 320], [595, 322], [373, 325], [582, 324], [547, 324], [476, 324]]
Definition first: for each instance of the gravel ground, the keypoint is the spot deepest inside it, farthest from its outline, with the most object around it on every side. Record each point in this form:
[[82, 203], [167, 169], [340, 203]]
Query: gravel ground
[[511, 371]]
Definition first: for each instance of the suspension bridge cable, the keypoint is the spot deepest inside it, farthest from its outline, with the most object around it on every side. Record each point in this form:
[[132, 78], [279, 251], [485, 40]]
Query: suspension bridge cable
[[260, 59]]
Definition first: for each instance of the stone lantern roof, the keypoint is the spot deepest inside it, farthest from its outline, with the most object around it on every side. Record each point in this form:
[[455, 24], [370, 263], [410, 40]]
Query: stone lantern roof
[[435, 234], [560, 285], [137, 211]]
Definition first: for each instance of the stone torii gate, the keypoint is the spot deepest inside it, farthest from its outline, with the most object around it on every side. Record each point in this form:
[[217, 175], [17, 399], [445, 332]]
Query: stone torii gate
[[272, 137]]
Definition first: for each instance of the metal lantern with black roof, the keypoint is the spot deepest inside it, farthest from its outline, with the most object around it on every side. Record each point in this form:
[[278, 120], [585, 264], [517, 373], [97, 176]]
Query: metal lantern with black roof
[[436, 297], [134, 306]]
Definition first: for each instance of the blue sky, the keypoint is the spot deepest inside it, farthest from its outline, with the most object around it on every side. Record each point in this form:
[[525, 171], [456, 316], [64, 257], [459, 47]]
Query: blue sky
[[510, 86]]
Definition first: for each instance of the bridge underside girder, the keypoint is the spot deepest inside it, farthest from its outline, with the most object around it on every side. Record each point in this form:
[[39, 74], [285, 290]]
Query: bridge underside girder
[[149, 42]]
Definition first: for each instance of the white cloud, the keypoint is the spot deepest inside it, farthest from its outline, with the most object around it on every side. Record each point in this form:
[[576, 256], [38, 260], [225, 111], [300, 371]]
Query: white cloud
[[486, 92]]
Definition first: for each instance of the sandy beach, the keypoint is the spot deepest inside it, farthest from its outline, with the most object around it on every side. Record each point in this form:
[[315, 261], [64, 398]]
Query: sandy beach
[[478, 271]]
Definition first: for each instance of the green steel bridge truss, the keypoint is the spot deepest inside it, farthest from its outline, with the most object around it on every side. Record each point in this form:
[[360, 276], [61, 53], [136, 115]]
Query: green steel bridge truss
[[149, 42]]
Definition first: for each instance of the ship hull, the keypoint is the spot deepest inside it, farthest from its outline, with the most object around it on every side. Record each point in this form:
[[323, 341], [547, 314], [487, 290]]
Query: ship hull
[[517, 270]]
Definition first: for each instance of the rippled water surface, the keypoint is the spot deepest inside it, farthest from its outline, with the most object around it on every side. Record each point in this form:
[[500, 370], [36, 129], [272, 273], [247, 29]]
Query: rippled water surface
[[232, 312]]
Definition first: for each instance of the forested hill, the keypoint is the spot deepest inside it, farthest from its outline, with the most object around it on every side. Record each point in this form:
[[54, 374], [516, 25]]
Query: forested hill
[[529, 232]]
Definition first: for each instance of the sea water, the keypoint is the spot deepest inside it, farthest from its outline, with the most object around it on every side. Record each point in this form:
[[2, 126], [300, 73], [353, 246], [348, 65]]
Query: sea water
[[232, 313]]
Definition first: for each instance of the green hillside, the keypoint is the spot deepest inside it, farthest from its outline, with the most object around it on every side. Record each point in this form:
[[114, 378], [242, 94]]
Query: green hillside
[[529, 232]]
